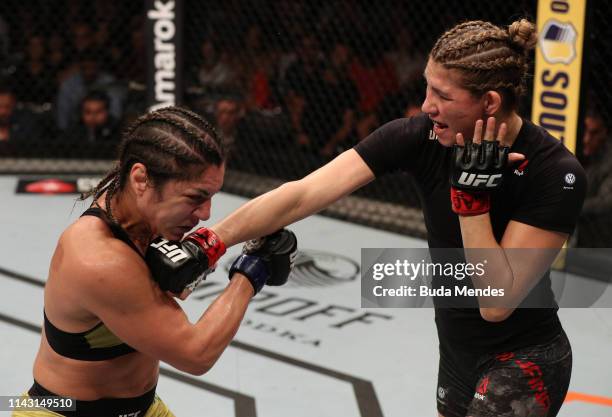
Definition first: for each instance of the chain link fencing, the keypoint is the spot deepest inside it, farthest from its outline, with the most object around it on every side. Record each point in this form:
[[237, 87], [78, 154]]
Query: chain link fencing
[[289, 84]]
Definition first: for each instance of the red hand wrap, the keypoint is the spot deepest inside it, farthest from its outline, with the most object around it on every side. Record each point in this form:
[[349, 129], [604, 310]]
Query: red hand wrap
[[210, 243], [469, 203]]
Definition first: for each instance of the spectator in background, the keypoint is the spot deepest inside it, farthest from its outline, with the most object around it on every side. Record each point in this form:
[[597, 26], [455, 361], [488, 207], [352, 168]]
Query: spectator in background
[[107, 25], [81, 40], [34, 81], [289, 24], [82, 37], [16, 125], [329, 116], [132, 63], [303, 82], [375, 79], [595, 221], [407, 60], [413, 95], [56, 56], [88, 77], [214, 72], [229, 120], [258, 71], [405, 103], [95, 124]]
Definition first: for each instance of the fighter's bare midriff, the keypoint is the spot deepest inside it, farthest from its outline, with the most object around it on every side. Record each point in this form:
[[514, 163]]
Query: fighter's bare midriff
[[127, 376]]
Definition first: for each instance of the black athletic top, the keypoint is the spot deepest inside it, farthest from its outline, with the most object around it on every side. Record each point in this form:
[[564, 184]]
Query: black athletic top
[[547, 192], [98, 343]]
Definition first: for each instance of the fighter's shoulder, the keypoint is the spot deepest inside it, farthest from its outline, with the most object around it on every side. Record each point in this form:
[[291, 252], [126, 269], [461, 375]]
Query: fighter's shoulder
[[90, 249], [418, 126], [548, 151], [552, 164], [397, 134]]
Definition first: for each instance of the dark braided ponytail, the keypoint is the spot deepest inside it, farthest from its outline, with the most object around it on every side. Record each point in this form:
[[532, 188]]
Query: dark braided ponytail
[[173, 143]]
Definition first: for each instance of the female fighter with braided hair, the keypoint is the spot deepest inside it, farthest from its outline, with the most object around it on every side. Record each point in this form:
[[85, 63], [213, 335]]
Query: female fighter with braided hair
[[109, 314], [494, 360]]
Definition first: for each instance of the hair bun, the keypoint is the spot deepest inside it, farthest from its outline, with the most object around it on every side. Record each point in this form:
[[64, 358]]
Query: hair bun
[[523, 34]]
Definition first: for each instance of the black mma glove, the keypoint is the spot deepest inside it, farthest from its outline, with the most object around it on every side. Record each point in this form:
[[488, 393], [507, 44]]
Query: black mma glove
[[476, 170], [267, 260], [180, 266]]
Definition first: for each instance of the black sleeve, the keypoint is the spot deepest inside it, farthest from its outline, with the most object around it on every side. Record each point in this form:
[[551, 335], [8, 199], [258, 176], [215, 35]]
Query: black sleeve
[[395, 145], [554, 198]]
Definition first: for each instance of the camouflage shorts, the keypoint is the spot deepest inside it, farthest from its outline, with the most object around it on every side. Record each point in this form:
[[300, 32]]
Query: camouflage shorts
[[529, 382]]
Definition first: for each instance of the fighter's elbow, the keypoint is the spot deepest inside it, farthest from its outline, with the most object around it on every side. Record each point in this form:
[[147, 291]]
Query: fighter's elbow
[[495, 315], [197, 369], [196, 366], [192, 358]]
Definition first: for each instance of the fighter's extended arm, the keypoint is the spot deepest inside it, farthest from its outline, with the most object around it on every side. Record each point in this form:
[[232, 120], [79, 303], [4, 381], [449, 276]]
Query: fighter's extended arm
[[295, 200]]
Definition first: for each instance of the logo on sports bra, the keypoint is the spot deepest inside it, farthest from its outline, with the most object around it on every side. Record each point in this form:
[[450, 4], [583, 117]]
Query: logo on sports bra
[[172, 252], [136, 414]]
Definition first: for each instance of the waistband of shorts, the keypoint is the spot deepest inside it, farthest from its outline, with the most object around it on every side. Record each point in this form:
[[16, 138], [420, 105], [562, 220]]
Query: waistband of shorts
[[104, 407]]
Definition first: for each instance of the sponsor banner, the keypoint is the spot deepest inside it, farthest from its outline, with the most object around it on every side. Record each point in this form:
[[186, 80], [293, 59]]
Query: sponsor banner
[[472, 278], [50, 186], [557, 78], [164, 37]]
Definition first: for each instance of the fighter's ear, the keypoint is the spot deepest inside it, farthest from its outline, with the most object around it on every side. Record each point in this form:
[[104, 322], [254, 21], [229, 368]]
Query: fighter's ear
[[492, 102], [139, 180]]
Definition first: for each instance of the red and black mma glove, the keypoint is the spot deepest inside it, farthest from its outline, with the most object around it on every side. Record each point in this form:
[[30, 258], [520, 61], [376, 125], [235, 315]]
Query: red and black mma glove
[[178, 266], [476, 170], [267, 260]]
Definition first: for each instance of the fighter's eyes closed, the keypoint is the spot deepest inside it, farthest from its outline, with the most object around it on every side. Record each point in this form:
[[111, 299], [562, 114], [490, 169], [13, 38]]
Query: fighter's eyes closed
[[197, 199], [438, 93]]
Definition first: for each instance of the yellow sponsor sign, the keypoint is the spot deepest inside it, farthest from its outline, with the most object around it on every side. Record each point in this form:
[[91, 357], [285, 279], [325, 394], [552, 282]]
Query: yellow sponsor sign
[[556, 93]]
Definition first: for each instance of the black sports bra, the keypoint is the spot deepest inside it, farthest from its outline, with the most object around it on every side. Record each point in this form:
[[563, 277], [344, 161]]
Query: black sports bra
[[98, 343]]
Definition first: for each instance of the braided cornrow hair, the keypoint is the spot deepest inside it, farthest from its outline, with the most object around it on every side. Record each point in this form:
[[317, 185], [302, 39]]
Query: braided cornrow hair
[[489, 57], [173, 143]]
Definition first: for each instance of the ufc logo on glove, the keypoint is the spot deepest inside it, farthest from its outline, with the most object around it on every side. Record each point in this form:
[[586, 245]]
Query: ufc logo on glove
[[476, 170], [477, 179], [172, 251]]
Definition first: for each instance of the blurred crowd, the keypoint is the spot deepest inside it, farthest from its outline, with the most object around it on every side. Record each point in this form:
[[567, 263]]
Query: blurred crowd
[[288, 84], [59, 74], [80, 75]]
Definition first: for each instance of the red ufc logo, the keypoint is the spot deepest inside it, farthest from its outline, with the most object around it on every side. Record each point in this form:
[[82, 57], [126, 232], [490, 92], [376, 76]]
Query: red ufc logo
[[482, 388]]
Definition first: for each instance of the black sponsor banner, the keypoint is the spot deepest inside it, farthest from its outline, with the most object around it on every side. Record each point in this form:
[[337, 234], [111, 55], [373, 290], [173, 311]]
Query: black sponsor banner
[[50, 186], [164, 37]]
